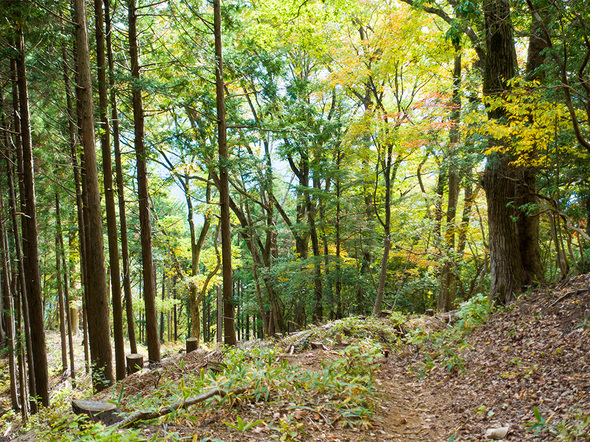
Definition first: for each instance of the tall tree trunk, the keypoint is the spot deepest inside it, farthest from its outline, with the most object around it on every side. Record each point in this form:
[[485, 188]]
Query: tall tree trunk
[[107, 168], [19, 282], [60, 288], [68, 313], [79, 201], [526, 188], [98, 300], [447, 288], [8, 295], [120, 189], [8, 308], [507, 274], [149, 289], [390, 168], [228, 308], [30, 240]]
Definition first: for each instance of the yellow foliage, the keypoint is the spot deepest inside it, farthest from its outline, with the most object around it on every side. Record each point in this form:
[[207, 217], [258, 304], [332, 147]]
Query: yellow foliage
[[530, 126]]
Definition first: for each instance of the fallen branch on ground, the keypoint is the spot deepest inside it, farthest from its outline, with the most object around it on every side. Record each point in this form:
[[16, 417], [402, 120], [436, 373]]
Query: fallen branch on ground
[[146, 415]]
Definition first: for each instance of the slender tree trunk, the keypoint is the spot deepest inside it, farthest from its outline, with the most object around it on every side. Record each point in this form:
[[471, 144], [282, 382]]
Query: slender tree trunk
[[8, 308], [447, 289], [30, 240], [12, 343], [68, 313], [60, 287], [149, 289], [120, 189], [21, 303], [98, 300], [105, 144], [389, 171], [338, 288], [228, 308]]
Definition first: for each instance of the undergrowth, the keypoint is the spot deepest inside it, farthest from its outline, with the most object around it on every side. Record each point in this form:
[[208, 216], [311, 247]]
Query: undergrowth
[[443, 348], [341, 392]]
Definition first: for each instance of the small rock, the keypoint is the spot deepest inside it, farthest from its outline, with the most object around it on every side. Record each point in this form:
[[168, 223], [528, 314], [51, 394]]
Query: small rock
[[497, 433]]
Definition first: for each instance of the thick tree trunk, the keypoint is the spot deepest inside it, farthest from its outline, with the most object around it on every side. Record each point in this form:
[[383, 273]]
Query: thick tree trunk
[[107, 169], [30, 240], [149, 289], [507, 272], [98, 300]]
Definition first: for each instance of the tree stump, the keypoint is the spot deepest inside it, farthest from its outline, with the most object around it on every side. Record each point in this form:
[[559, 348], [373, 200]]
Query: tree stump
[[191, 344], [97, 411], [134, 363]]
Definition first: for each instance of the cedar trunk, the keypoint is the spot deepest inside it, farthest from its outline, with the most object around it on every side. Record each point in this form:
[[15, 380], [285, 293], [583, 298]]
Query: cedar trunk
[[30, 239], [120, 189], [98, 300], [149, 285]]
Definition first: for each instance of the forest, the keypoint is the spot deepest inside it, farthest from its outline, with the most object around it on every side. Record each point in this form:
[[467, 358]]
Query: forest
[[238, 170]]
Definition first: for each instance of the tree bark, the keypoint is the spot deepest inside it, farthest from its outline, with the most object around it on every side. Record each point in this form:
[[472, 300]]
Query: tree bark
[[228, 308], [66, 293], [8, 308], [30, 239], [98, 300], [447, 287], [107, 168], [149, 289], [507, 274], [60, 287], [120, 188]]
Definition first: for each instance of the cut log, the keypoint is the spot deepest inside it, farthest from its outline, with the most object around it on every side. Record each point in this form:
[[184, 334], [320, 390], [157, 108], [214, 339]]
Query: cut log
[[97, 411], [192, 344], [134, 363]]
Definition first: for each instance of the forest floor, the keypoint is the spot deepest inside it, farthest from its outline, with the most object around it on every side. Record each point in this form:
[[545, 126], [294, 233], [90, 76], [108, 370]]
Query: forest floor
[[527, 368]]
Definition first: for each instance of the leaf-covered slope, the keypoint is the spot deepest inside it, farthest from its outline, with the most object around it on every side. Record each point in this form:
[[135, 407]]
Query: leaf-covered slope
[[533, 355]]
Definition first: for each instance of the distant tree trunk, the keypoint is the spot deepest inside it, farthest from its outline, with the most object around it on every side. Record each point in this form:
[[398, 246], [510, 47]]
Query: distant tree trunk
[[120, 189], [7, 307], [317, 262], [19, 283], [507, 274], [105, 144], [30, 239], [60, 288], [98, 301], [219, 315], [196, 247], [149, 289], [68, 314], [228, 308], [447, 280], [389, 168], [338, 288]]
